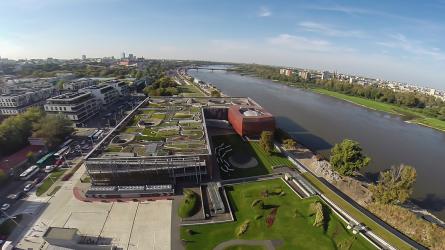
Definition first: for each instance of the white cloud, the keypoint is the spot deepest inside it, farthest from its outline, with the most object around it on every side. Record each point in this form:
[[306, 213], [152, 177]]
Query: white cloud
[[330, 30], [300, 43], [400, 41], [264, 12]]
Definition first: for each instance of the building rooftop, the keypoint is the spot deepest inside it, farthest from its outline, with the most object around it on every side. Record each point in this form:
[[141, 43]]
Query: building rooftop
[[68, 96], [164, 126]]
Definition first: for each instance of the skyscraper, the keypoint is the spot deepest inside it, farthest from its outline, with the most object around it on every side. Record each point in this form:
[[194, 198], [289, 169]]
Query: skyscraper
[[123, 55]]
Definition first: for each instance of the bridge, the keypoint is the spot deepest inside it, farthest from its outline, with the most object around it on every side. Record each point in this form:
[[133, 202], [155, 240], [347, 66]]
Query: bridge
[[206, 68]]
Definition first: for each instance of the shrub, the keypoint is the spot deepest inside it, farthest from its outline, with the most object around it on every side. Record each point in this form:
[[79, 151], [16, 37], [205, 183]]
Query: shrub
[[242, 229], [270, 219], [257, 203], [317, 209], [189, 205], [277, 191]]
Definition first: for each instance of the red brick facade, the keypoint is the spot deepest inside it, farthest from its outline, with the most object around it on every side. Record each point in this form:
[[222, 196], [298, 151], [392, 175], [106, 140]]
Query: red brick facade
[[250, 125]]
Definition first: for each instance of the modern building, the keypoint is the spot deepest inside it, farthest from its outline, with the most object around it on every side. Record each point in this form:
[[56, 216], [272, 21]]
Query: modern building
[[78, 107], [286, 72], [326, 75], [79, 84], [306, 75], [250, 120], [168, 143], [122, 88], [16, 101], [106, 94]]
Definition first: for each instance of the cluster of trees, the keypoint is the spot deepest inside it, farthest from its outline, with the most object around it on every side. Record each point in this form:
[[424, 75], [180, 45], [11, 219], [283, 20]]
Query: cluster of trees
[[395, 185], [266, 141], [15, 131], [347, 157], [426, 104], [317, 209], [164, 86]]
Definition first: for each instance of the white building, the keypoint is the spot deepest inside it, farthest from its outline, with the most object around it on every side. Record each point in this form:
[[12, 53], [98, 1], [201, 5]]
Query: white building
[[325, 75], [106, 94], [121, 87], [77, 107], [18, 100], [79, 84]]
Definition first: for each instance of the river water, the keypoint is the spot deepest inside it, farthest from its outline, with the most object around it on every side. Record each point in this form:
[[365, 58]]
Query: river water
[[319, 121]]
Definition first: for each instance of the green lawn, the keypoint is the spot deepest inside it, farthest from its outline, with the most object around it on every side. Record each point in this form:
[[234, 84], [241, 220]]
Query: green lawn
[[48, 182], [189, 204], [292, 224], [377, 229], [414, 117], [241, 247], [190, 90], [265, 162]]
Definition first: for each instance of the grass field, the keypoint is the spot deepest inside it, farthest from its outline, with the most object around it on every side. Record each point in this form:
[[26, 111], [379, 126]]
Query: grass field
[[190, 90], [265, 162], [292, 224], [48, 182], [413, 116], [377, 229]]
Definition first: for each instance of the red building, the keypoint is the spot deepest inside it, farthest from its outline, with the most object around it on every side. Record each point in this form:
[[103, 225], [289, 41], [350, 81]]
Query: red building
[[250, 120]]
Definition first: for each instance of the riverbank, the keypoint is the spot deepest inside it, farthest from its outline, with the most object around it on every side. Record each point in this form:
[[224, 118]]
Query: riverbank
[[419, 118]]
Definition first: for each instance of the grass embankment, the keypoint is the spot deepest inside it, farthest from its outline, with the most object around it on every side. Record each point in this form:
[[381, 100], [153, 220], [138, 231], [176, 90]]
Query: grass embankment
[[411, 115], [292, 222], [250, 149], [48, 182], [241, 247], [377, 229], [189, 205], [190, 90]]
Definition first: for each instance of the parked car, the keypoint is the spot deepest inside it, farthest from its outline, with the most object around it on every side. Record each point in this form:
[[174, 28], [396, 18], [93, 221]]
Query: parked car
[[28, 187], [59, 161], [16, 196], [50, 168], [5, 207]]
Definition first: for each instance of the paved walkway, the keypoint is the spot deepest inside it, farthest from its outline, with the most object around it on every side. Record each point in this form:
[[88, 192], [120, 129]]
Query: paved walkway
[[267, 244]]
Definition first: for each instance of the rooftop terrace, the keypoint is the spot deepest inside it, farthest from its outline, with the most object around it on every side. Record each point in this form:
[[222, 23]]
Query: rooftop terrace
[[163, 126]]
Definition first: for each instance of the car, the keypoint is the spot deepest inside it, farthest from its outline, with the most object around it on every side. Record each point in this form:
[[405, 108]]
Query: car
[[16, 196], [28, 187], [5, 207], [50, 168], [59, 161], [37, 180]]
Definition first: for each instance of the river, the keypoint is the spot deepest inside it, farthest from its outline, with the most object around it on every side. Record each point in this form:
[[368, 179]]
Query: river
[[319, 121]]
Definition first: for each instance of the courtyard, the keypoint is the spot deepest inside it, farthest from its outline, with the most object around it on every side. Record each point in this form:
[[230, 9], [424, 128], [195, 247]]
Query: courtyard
[[286, 222]]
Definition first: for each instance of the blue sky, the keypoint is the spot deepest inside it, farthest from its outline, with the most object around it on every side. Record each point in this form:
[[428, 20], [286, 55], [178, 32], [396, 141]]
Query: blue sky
[[394, 40]]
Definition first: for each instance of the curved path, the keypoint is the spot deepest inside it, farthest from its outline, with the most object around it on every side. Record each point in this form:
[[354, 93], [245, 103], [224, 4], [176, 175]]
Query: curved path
[[267, 244]]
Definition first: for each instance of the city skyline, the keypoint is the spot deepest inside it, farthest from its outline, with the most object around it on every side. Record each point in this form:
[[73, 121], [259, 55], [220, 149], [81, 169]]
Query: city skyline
[[386, 40]]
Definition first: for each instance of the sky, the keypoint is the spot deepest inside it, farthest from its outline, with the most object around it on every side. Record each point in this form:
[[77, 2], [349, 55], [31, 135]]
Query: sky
[[392, 40]]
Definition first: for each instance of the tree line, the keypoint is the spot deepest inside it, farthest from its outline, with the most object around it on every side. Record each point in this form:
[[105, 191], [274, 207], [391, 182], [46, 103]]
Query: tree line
[[419, 102], [15, 131]]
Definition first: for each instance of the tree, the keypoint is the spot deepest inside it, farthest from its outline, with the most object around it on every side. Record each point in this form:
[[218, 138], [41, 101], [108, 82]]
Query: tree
[[14, 131], [53, 129], [215, 93], [347, 157], [266, 141], [395, 185], [289, 144]]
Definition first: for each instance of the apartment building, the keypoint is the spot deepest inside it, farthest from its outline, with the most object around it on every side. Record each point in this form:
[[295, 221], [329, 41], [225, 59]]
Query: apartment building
[[79, 84], [122, 88], [16, 101], [78, 107], [106, 94]]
